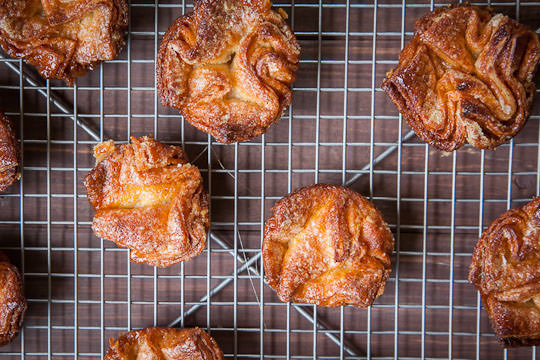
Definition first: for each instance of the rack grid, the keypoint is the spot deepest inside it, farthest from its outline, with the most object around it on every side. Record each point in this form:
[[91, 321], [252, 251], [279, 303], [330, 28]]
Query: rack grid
[[340, 129]]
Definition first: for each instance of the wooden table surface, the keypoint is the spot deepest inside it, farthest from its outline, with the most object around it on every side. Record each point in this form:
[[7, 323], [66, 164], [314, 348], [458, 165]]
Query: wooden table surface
[[82, 290]]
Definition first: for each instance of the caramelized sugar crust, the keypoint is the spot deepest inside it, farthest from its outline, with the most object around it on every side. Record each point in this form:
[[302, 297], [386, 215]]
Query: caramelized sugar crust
[[158, 343], [228, 67], [12, 301], [9, 154], [466, 77], [149, 199], [327, 245], [506, 270], [63, 39]]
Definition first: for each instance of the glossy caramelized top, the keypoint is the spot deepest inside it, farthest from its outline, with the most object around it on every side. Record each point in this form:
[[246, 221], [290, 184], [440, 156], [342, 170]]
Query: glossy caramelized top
[[159, 343], [148, 198], [9, 153], [63, 39], [228, 67], [506, 270], [12, 300], [327, 245], [466, 77]]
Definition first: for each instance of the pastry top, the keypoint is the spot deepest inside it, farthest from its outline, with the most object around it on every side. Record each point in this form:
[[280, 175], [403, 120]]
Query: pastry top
[[327, 245], [228, 67], [12, 300], [63, 39], [9, 153], [148, 198], [466, 77], [506, 270], [158, 343]]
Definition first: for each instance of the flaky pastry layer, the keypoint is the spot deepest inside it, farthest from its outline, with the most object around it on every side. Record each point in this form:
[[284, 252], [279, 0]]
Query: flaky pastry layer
[[465, 77], [327, 245], [63, 39], [228, 67], [158, 343], [506, 270], [149, 199], [9, 154], [12, 300]]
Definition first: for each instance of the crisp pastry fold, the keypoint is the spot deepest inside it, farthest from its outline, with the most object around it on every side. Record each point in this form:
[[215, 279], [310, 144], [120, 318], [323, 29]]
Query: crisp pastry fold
[[465, 77], [63, 39], [327, 245], [9, 154], [506, 270], [158, 343], [228, 67], [12, 300], [148, 198]]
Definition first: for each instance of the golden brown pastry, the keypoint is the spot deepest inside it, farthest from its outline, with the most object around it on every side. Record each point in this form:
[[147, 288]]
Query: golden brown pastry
[[466, 76], [9, 154], [327, 245], [159, 343], [506, 270], [149, 199], [63, 39], [228, 67], [12, 300]]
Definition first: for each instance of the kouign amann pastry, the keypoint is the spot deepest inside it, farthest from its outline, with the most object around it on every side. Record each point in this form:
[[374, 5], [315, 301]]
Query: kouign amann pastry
[[149, 199], [12, 300], [9, 154], [327, 245], [228, 67], [466, 77], [63, 39], [506, 270], [158, 343]]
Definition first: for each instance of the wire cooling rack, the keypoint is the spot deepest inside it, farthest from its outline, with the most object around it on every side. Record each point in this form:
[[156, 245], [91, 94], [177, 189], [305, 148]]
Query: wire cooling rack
[[340, 129]]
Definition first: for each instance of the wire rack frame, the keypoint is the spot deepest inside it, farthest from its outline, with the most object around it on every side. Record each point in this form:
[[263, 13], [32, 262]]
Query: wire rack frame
[[72, 325]]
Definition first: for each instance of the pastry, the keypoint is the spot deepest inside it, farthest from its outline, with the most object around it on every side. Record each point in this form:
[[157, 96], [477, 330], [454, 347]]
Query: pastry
[[466, 77], [12, 300], [158, 343], [9, 154], [63, 39], [148, 198], [506, 270], [327, 245], [228, 67]]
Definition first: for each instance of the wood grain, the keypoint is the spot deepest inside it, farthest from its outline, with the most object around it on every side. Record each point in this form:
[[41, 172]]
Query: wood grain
[[381, 122]]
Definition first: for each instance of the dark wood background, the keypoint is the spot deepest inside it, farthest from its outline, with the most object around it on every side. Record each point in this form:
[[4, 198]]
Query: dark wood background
[[83, 291]]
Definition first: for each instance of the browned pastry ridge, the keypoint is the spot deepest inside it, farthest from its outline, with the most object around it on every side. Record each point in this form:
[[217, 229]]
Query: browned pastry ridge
[[466, 76], [327, 245], [159, 343], [9, 154], [149, 199], [12, 301], [506, 270], [228, 67], [63, 39]]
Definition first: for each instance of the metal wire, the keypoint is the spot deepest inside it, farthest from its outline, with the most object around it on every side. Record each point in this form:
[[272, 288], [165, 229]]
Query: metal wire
[[309, 332]]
